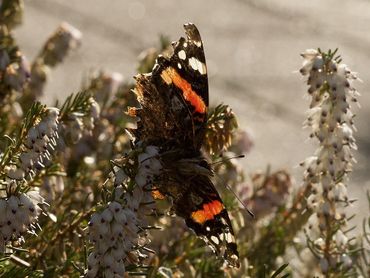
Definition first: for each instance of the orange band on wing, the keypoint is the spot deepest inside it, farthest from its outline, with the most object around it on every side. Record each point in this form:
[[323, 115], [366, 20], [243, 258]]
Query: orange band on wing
[[170, 75], [157, 195], [208, 212]]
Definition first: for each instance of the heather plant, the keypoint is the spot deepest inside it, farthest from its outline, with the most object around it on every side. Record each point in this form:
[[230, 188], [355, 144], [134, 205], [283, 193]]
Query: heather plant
[[331, 120], [79, 197]]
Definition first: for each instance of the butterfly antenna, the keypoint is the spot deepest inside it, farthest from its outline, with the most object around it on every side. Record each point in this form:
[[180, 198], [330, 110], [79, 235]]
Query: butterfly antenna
[[222, 160], [240, 201]]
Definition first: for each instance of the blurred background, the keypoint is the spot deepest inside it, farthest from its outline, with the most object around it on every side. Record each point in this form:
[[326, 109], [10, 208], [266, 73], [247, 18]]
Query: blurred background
[[252, 50]]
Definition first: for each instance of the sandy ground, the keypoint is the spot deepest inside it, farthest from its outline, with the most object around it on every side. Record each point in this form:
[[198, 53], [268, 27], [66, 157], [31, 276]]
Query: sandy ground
[[252, 50]]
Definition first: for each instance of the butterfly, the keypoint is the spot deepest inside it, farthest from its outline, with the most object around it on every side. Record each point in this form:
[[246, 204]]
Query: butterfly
[[173, 115]]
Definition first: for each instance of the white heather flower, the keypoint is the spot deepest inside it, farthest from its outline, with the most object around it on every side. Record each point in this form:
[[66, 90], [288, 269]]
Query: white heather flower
[[107, 215], [119, 193], [320, 243], [309, 54], [317, 63], [149, 166], [79, 124], [105, 85], [134, 198], [340, 192], [94, 109], [119, 176], [54, 51], [40, 140], [74, 128], [32, 135], [52, 187], [312, 221], [113, 236], [93, 265], [92, 117], [18, 214], [115, 207], [15, 173], [313, 201], [16, 74], [307, 65], [331, 122], [115, 230], [346, 260], [60, 43], [141, 179], [340, 238]]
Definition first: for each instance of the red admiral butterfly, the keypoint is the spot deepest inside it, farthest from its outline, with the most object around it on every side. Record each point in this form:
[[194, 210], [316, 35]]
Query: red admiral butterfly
[[173, 115]]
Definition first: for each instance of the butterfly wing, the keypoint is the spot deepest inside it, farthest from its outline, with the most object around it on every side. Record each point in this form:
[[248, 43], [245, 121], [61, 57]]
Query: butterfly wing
[[204, 212], [174, 96]]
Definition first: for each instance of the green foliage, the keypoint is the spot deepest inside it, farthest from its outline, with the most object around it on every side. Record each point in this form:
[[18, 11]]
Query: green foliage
[[78, 103]]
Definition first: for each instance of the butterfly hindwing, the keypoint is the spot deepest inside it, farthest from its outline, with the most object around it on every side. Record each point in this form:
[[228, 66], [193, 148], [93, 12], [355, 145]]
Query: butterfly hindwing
[[205, 213]]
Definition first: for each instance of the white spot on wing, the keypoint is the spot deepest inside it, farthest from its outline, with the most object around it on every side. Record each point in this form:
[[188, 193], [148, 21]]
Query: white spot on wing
[[198, 65], [208, 229], [202, 68], [156, 66], [179, 65], [185, 44], [198, 43], [234, 258], [215, 240], [229, 237], [182, 54], [193, 62]]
